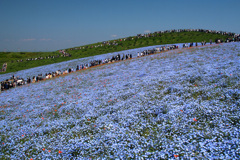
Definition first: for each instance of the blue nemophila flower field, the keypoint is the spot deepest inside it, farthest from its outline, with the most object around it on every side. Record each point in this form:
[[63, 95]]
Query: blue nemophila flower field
[[179, 104]]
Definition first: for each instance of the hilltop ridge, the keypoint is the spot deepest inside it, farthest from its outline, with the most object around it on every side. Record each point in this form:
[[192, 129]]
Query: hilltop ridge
[[24, 60]]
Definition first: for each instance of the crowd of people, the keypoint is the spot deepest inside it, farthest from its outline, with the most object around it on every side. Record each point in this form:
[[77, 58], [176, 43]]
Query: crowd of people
[[63, 54], [17, 81], [40, 58]]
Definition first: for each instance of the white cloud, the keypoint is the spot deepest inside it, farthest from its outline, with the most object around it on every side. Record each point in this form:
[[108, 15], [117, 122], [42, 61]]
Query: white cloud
[[147, 31], [114, 35], [44, 39], [30, 39]]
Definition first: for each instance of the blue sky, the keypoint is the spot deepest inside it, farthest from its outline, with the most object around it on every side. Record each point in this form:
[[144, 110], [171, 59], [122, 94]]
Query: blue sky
[[49, 25]]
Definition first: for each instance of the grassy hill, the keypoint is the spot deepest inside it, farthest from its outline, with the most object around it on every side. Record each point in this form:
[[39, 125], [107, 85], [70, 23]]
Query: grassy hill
[[90, 50]]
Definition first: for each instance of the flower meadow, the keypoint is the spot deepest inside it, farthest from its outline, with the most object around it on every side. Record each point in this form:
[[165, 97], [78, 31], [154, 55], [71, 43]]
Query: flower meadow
[[180, 104]]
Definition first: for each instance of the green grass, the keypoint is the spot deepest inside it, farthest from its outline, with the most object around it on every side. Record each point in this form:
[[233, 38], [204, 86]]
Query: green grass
[[164, 38]]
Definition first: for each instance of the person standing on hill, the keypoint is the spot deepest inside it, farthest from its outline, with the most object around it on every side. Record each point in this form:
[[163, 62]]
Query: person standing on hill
[[6, 86], [33, 80], [28, 80]]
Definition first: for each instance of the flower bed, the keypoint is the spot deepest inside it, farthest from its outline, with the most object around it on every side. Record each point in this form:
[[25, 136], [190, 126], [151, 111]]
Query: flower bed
[[168, 105]]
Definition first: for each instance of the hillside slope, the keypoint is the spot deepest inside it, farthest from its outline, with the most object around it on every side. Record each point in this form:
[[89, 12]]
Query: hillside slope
[[102, 48], [177, 104]]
